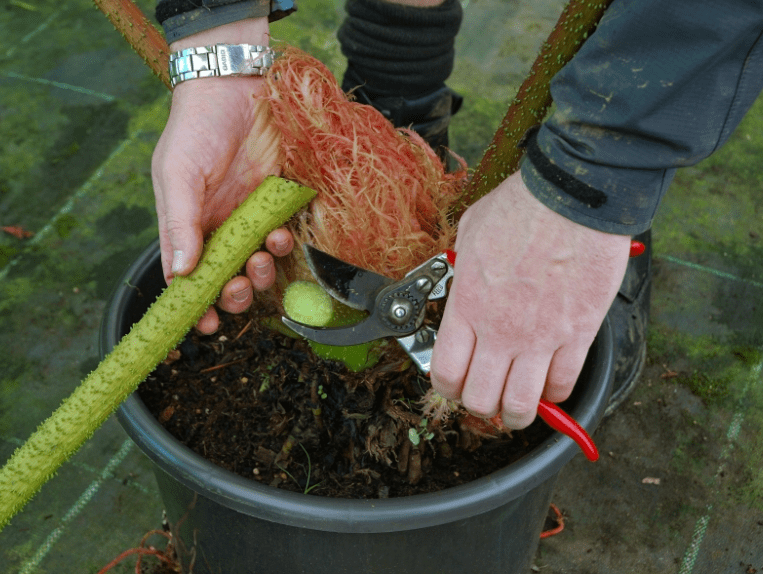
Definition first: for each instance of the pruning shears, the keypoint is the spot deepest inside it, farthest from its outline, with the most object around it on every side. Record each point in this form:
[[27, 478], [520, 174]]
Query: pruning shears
[[398, 309], [395, 308]]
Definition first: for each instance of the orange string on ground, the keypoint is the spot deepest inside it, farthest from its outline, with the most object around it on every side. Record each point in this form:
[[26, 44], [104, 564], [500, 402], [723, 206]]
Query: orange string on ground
[[559, 523], [165, 556]]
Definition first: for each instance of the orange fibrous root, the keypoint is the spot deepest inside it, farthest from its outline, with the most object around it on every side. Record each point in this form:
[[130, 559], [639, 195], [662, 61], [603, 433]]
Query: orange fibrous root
[[383, 195]]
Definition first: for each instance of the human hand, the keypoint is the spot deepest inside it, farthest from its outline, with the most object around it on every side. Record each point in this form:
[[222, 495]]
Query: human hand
[[530, 291], [216, 148]]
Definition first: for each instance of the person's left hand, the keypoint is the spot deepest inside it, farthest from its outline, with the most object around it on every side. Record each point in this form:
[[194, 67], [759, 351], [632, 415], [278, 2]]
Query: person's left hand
[[216, 149]]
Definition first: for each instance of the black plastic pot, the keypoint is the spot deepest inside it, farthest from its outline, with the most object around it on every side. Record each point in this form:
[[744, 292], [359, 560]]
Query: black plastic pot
[[230, 525]]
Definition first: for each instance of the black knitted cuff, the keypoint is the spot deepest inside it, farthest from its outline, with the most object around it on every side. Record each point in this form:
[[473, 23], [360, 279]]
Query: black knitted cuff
[[399, 50]]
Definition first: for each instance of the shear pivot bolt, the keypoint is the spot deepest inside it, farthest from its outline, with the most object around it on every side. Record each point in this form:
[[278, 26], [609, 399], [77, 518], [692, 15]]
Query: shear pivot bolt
[[424, 285], [400, 310]]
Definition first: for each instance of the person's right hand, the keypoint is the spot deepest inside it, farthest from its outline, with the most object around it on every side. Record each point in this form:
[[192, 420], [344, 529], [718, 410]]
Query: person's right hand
[[530, 291]]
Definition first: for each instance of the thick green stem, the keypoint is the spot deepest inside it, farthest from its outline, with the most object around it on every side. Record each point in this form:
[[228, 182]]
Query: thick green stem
[[146, 40], [307, 302], [162, 327], [530, 105]]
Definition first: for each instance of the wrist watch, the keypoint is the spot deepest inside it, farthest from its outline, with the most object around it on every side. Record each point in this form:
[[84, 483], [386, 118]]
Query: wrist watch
[[220, 60]]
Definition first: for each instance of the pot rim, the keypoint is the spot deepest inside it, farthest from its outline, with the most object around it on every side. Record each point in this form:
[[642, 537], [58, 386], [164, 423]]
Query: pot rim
[[352, 515]]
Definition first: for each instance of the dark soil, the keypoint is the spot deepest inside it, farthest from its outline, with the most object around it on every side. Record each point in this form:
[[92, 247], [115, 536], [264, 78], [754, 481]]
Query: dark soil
[[261, 405]]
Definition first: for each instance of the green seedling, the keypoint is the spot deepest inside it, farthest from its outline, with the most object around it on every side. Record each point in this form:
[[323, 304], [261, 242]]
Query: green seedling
[[308, 488], [416, 434]]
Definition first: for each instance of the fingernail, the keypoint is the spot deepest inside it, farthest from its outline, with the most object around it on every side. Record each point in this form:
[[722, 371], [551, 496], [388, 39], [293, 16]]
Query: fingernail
[[282, 245], [178, 261], [240, 296], [262, 270]]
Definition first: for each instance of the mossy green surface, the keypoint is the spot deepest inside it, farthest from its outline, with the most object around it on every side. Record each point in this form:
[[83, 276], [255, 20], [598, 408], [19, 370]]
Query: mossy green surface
[[53, 294], [79, 117], [711, 212], [749, 489], [709, 261], [706, 333]]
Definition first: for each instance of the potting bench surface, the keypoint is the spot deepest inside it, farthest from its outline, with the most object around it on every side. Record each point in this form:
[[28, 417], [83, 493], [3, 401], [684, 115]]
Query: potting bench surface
[[679, 488]]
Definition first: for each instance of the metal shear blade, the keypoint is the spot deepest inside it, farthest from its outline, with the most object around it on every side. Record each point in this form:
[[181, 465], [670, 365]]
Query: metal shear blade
[[352, 285]]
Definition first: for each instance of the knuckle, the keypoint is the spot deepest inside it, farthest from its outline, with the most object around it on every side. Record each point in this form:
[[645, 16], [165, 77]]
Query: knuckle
[[516, 422], [519, 408], [174, 225], [562, 378], [446, 383], [560, 382], [480, 406], [444, 373], [557, 394]]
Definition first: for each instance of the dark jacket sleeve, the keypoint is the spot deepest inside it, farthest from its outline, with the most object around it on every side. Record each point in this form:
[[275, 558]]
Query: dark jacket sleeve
[[181, 18], [659, 85]]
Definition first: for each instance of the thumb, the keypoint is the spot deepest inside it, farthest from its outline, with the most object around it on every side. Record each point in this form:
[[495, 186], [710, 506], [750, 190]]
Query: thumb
[[180, 234], [186, 241]]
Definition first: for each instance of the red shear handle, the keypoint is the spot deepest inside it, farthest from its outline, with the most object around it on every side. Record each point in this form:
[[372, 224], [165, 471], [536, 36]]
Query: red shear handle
[[637, 248], [560, 421]]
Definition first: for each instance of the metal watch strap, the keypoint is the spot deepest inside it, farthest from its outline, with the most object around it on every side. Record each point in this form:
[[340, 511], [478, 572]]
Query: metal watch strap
[[220, 60]]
